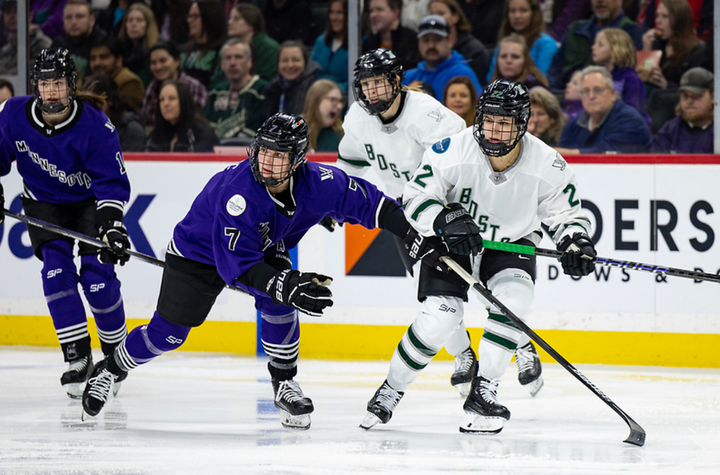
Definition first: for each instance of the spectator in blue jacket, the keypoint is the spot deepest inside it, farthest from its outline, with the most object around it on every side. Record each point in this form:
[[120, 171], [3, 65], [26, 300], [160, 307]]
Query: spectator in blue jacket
[[330, 50], [692, 130], [441, 62], [606, 124]]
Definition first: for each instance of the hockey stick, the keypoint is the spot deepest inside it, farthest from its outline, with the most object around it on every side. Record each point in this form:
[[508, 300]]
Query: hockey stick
[[80, 237], [605, 261], [637, 433], [92, 241]]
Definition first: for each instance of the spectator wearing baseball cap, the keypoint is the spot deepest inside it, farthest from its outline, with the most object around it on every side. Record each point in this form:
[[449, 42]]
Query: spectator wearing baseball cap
[[440, 63], [692, 130]]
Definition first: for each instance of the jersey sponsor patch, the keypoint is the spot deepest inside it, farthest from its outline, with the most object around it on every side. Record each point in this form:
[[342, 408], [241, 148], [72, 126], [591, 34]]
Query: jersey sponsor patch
[[441, 146], [236, 205]]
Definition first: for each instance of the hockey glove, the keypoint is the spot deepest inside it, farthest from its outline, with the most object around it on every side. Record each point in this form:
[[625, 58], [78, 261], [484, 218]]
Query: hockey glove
[[455, 226], [2, 204], [114, 234], [307, 292], [579, 254], [328, 223], [426, 249]]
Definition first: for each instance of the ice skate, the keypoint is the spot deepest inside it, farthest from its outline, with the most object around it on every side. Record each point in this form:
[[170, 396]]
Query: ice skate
[[380, 408], [484, 414], [295, 407], [466, 367], [118, 383], [529, 368], [97, 389], [77, 373]]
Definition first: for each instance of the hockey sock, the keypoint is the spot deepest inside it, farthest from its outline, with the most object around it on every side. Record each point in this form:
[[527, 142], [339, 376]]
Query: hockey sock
[[76, 349], [102, 291], [438, 319], [459, 341], [515, 289], [280, 336], [60, 286], [149, 341]]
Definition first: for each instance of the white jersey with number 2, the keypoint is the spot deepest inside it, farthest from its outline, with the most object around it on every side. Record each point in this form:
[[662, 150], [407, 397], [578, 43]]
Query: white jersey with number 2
[[395, 149], [508, 205]]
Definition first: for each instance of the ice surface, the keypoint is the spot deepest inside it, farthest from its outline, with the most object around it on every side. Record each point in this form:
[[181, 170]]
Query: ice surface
[[193, 413]]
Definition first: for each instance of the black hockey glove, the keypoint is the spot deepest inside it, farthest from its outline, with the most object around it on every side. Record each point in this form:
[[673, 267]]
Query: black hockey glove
[[306, 291], [2, 204], [426, 249], [114, 234], [579, 254], [328, 223], [455, 226]]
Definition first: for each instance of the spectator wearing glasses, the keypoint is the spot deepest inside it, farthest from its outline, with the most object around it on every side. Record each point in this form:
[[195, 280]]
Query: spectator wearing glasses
[[440, 63], [606, 124], [323, 114]]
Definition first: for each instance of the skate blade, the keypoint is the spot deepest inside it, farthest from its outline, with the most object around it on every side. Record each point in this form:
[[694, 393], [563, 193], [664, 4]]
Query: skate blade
[[85, 417], [477, 424], [534, 386], [116, 388], [74, 390], [370, 421], [463, 389], [300, 422]]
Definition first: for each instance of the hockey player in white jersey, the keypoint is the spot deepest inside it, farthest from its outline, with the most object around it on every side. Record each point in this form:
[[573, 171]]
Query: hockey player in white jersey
[[388, 129], [496, 180]]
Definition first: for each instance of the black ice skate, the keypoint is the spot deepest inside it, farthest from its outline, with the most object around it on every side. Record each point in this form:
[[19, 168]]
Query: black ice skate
[[485, 415], [294, 406], [77, 373], [529, 368], [380, 408], [466, 367], [97, 389]]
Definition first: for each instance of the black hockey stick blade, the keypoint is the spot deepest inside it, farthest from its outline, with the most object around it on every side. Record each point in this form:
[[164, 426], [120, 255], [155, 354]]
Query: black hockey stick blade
[[91, 240], [604, 261], [637, 433]]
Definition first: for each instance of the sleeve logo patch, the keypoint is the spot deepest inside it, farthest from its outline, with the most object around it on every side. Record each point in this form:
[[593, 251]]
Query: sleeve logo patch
[[441, 146], [236, 205], [559, 163]]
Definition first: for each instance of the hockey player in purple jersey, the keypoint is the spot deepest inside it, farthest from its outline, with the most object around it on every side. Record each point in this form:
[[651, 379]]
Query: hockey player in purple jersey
[[69, 156], [238, 232]]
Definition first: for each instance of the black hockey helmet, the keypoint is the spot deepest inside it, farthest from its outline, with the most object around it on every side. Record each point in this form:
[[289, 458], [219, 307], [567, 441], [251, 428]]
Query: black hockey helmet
[[505, 98], [281, 133], [378, 62], [54, 63]]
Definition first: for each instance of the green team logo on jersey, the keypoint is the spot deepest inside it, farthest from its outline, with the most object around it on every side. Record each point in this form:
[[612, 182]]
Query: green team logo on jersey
[[383, 164]]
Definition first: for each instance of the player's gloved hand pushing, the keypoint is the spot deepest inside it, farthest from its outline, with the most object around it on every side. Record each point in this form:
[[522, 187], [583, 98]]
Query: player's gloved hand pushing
[[329, 223], [426, 249], [305, 291], [579, 254], [114, 234], [457, 228]]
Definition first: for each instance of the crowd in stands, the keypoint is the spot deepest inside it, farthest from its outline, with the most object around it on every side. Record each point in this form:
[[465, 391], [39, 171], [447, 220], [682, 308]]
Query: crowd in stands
[[626, 76]]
